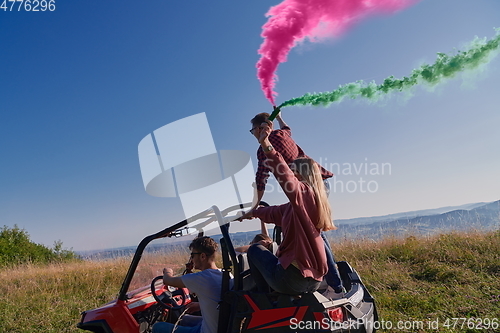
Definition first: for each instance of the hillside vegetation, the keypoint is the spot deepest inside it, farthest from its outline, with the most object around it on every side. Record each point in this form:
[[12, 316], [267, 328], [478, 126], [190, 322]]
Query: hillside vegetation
[[16, 248], [414, 279]]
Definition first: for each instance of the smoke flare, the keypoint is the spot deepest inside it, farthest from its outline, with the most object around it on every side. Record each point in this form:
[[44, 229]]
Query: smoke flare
[[292, 21], [446, 67]]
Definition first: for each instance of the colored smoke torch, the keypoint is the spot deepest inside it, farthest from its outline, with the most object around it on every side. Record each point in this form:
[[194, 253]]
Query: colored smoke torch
[[292, 21], [274, 114], [446, 67]]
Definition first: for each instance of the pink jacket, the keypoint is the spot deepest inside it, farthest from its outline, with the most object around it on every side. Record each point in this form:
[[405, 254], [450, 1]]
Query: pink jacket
[[301, 239]]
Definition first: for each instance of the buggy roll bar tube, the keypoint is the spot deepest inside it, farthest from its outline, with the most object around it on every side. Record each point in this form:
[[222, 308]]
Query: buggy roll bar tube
[[122, 296], [221, 216], [225, 234]]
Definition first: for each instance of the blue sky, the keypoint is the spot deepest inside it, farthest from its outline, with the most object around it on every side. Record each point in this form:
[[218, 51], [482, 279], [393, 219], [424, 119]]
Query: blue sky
[[81, 86]]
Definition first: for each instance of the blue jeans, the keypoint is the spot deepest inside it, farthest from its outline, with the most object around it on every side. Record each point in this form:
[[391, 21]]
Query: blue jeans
[[333, 276], [267, 272], [190, 324]]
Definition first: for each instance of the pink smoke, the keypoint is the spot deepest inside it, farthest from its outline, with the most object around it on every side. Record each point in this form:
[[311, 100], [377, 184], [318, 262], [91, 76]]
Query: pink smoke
[[292, 21]]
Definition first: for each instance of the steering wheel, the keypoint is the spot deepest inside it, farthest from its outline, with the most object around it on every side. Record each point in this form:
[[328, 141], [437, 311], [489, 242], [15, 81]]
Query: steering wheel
[[171, 303]]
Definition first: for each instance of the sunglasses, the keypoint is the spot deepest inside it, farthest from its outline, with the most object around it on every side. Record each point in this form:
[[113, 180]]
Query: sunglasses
[[193, 253]]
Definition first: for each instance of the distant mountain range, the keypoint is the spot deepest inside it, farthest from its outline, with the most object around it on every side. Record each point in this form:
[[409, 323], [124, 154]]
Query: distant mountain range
[[407, 215], [480, 216]]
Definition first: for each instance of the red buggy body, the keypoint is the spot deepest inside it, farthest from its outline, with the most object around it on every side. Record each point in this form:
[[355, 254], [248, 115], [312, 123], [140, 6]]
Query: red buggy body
[[241, 309]]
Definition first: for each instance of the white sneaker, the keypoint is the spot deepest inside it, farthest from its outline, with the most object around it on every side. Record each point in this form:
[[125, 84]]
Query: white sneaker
[[332, 295]]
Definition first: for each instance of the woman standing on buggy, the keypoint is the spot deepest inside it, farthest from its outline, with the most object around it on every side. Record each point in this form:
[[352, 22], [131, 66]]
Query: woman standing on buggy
[[300, 262]]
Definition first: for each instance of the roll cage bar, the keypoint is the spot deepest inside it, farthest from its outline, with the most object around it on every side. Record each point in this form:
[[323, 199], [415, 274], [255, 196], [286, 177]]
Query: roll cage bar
[[208, 216]]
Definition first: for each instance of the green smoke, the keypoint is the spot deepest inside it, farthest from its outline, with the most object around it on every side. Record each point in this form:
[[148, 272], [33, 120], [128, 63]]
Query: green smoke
[[446, 67]]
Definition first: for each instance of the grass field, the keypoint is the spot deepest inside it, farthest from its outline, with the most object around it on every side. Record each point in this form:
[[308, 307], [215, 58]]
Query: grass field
[[423, 281], [418, 282]]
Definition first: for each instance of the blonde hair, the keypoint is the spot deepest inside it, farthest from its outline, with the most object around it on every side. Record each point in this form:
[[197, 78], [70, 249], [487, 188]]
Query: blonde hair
[[309, 171]]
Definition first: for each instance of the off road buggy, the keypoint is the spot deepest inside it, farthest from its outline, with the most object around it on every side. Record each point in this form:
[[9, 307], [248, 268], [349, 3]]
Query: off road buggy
[[241, 310]]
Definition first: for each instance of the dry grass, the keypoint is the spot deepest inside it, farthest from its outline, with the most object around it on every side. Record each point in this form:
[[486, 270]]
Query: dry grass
[[455, 275], [51, 298], [152, 265], [415, 278]]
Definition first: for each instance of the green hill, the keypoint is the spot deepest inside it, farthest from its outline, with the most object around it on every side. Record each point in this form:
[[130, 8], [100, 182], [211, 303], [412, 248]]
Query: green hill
[[17, 248]]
